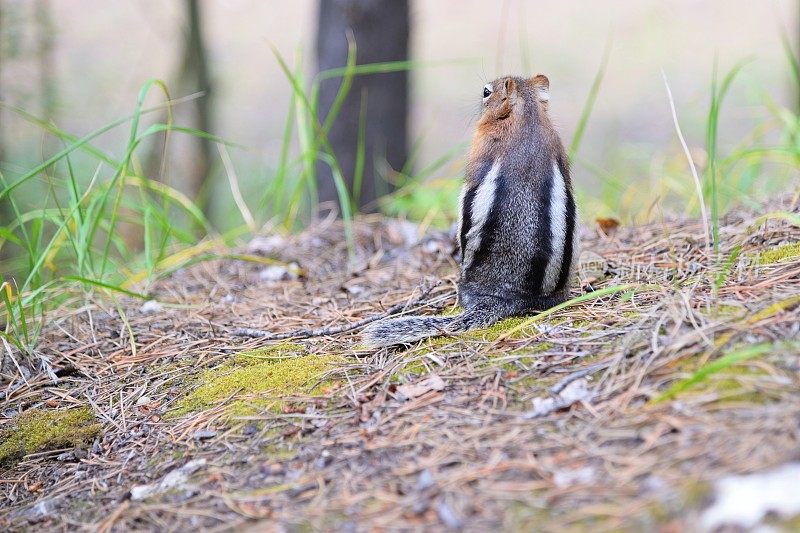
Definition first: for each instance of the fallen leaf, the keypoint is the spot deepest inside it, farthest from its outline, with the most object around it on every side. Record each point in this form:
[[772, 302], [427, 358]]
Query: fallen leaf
[[275, 469], [608, 225], [176, 479], [577, 391], [413, 390], [294, 430], [204, 434], [214, 477]]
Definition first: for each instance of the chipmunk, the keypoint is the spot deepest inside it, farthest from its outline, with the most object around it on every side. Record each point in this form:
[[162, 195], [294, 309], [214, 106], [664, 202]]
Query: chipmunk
[[517, 222]]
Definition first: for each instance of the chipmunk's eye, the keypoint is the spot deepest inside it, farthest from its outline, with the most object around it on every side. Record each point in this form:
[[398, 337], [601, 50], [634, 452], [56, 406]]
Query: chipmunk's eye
[[487, 90]]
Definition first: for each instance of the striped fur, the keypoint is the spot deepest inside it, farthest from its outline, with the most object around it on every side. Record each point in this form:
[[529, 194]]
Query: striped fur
[[571, 244], [558, 230], [480, 209], [517, 219]]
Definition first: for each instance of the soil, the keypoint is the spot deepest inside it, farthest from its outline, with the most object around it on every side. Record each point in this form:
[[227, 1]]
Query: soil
[[591, 417]]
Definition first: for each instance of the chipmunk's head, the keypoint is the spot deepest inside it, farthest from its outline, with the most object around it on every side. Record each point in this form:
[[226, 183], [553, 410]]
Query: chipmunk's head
[[509, 96]]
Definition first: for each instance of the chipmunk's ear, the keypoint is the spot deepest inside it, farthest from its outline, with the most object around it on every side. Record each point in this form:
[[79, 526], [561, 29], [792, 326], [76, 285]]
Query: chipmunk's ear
[[510, 86], [542, 87]]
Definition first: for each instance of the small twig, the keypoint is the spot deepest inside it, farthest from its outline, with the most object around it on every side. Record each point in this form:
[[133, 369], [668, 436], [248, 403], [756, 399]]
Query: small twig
[[561, 385], [324, 332], [108, 522]]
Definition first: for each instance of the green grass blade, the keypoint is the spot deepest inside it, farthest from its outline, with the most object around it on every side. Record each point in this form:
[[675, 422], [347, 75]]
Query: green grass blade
[[606, 291], [78, 143], [344, 88], [712, 125], [358, 172], [591, 98], [385, 67], [726, 361], [344, 202], [23, 321], [791, 218], [722, 277], [108, 286]]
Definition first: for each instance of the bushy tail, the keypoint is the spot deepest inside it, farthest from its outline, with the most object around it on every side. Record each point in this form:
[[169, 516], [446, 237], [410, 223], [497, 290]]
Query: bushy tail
[[414, 328]]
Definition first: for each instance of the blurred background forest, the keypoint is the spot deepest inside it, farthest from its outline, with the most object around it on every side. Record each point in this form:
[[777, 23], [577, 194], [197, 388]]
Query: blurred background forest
[[275, 105]]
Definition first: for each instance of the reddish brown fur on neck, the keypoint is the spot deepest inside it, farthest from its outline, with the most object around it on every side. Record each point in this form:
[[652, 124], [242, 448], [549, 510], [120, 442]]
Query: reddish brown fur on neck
[[503, 118]]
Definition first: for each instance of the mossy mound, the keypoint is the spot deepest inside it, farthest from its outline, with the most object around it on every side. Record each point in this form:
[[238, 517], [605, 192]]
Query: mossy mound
[[780, 253], [737, 383], [444, 345], [724, 310], [284, 350], [39, 430], [267, 375], [498, 329]]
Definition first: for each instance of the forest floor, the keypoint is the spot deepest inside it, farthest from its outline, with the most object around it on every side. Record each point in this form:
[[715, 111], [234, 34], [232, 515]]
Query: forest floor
[[624, 411]]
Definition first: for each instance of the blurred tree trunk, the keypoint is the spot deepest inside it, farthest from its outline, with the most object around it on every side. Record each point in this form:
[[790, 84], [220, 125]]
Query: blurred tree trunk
[[195, 77], [381, 30], [44, 56], [192, 76], [4, 207], [183, 161], [2, 99]]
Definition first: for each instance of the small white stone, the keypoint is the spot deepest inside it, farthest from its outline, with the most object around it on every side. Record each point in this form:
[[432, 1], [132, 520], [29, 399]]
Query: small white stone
[[273, 273], [279, 272], [355, 290], [150, 306], [266, 244], [143, 400], [743, 501]]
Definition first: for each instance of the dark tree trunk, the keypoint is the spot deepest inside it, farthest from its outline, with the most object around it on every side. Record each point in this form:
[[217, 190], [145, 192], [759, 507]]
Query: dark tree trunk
[[381, 30], [195, 78]]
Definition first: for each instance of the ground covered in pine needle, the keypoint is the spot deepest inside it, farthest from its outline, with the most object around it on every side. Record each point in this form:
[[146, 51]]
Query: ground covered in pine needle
[[676, 367]]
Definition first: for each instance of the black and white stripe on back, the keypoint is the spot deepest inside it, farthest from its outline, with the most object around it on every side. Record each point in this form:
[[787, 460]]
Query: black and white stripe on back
[[557, 224], [484, 213], [537, 269], [569, 229], [465, 208]]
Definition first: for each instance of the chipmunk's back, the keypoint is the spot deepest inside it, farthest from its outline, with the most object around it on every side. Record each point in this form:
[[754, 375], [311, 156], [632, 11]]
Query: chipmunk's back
[[517, 223], [517, 213]]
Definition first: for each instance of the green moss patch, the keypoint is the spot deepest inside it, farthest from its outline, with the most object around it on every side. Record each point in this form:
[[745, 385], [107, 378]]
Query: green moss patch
[[265, 376], [39, 430], [732, 384], [735, 383], [493, 332], [284, 350], [780, 253], [724, 310]]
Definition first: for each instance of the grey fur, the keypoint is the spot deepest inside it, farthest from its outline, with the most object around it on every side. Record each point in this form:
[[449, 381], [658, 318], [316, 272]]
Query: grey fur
[[509, 250]]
